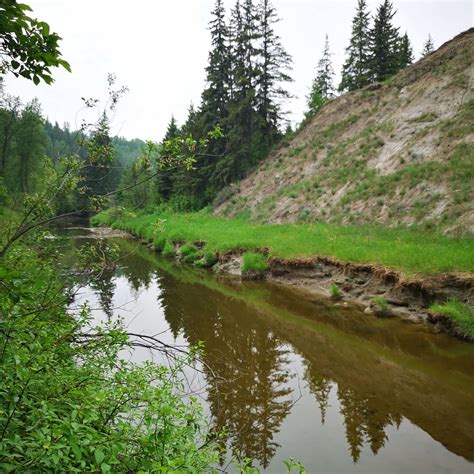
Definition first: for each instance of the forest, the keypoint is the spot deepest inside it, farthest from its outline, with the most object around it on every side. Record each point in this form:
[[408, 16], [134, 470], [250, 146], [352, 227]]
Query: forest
[[241, 294]]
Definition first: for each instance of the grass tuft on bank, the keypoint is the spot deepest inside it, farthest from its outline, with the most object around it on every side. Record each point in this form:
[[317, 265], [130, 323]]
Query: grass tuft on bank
[[411, 251], [459, 312]]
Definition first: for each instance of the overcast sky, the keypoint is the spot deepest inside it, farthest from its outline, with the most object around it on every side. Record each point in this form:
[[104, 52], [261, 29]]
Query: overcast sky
[[159, 49]]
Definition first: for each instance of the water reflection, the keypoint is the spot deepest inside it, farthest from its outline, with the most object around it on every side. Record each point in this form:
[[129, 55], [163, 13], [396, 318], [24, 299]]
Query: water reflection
[[271, 355]]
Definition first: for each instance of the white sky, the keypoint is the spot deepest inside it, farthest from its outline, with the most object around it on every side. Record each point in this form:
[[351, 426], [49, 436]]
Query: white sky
[[159, 49]]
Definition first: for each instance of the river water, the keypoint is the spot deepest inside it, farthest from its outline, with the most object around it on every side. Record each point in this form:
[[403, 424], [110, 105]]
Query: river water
[[293, 375]]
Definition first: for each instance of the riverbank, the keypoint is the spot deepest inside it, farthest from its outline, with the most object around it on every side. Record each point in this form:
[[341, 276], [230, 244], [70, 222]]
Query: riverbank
[[388, 271]]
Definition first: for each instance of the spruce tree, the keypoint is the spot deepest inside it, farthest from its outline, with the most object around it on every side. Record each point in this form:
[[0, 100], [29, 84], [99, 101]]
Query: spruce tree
[[355, 72], [384, 41], [405, 52], [242, 119], [428, 46], [216, 93], [322, 88], [272, 72]]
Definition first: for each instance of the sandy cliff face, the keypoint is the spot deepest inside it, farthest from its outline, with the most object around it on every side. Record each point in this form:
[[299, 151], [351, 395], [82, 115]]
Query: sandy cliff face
[[401, 152]]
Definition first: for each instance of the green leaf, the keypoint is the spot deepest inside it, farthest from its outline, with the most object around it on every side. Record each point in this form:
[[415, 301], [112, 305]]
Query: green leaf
[[99, 456], [77, 451], [44, 28]]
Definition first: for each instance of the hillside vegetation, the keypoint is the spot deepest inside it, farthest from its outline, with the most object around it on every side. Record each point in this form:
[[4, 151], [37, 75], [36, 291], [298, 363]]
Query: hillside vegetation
[[396, 153]]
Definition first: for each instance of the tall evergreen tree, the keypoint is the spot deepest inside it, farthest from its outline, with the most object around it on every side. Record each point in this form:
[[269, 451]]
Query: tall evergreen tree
[[405, 52], [242, 119], [355, 72], [216, 93], [273, 68], [428, 46], [384, 41], [323, 88]]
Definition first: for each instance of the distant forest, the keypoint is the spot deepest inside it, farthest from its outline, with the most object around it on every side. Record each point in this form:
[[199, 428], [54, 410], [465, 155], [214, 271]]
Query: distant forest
[[31, 146]]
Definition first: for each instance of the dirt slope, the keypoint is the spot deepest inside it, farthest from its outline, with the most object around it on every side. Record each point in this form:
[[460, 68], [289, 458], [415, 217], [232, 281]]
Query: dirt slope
[[400, 152]]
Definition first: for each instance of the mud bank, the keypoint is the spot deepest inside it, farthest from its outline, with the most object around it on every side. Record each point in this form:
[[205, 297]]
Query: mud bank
[[407, 298]]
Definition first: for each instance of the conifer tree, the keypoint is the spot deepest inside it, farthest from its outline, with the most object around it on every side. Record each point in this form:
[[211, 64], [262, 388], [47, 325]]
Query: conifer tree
[[273, 67], [216, 93], [322, 89], [384, 41], [428, 46], [405, 52], [242, 119], [355, 72]]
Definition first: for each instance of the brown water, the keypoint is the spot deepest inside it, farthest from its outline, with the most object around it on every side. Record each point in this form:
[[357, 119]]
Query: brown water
[[293, 375]]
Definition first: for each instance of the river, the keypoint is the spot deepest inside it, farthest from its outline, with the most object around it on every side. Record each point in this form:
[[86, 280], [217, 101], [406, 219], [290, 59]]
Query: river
[[290, 374]]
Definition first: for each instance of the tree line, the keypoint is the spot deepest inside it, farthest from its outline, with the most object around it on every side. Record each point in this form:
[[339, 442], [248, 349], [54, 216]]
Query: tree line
[[246, 87]]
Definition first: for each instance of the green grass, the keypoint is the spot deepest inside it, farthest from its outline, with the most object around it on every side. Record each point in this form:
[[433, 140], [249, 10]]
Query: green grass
[[411, 251], [254, 262], [381, 305], [461, 313]]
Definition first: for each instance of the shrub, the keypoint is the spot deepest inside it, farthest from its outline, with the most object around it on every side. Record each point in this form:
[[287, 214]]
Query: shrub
[[254, 262], [336, 293]]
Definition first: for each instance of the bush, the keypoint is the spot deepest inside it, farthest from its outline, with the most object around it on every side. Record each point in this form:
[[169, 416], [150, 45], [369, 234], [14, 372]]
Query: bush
[[336, 293], [254, 262], [69, 403]]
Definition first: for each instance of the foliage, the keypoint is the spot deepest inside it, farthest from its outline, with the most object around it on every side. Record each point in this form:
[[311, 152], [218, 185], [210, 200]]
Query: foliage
[[254, 262], [396, 248], [335, 292], [243, 95], [322, 89], [355, 71], [428, 46], [405, 52], [189, 253], [459, 312], [102, 414], [27, 46], [384, 43], [208, 260], [381, 305]]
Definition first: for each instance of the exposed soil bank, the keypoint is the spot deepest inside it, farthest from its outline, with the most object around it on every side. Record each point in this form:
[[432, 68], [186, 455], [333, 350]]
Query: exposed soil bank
[[359, 283], [408, 298]]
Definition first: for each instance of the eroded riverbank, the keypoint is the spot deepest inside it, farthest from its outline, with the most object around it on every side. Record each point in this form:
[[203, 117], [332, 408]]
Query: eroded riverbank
[[360, 284]]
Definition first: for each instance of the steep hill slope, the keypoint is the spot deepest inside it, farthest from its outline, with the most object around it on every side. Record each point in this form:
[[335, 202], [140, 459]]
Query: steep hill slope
[[397, 153]]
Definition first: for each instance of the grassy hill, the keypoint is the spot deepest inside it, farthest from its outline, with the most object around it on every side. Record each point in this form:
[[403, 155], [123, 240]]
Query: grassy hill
[[395, 153]]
